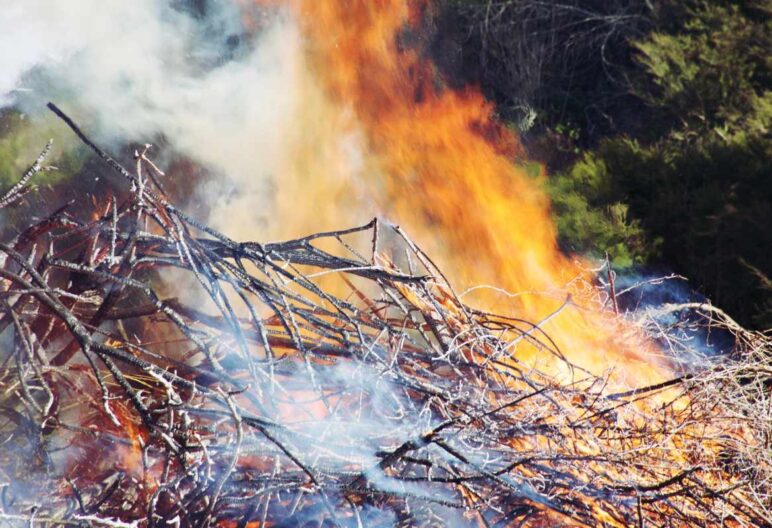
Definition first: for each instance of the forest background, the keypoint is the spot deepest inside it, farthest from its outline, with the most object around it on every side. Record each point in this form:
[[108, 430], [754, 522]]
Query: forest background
[[653, 121]]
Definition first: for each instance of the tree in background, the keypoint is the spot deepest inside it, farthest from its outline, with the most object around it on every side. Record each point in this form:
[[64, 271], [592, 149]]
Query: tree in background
[[549, 64], [654, 119]]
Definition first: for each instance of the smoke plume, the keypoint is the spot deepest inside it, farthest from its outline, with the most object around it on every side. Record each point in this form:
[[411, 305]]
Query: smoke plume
[[221, 92]]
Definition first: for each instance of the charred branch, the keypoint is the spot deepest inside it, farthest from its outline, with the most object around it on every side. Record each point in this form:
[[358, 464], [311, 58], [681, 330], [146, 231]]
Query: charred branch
[[288, 383]]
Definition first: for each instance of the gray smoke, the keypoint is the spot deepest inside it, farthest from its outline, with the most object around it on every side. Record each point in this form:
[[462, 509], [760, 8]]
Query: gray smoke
[[219, 93], [132, 70]]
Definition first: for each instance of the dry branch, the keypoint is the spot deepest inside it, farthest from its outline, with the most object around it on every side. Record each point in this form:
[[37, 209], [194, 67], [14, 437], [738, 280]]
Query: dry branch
[[293, 384]]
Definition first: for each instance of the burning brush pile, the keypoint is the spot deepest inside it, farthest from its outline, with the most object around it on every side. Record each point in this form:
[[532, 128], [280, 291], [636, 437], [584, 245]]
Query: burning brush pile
[[155, 372]]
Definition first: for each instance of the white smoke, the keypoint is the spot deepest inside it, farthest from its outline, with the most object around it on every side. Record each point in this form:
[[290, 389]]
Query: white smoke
[[134, 69]]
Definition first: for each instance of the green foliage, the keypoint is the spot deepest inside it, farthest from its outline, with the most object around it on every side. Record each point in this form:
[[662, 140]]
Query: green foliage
[[709, 201], [707, 75], [589, 218], [21, 140], [693, 188]]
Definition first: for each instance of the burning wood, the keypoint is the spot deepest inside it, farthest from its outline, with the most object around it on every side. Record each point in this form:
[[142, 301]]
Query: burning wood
[[157, 373]]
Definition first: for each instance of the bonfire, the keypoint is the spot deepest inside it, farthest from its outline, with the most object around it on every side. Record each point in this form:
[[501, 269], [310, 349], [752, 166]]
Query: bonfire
[[155, 372]]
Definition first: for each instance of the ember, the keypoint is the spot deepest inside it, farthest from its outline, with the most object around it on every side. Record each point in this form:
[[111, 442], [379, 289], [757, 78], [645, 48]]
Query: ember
[[262, 398]]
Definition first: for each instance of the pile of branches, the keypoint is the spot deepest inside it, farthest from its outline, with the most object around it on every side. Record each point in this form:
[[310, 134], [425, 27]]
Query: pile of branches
[[155, 372]]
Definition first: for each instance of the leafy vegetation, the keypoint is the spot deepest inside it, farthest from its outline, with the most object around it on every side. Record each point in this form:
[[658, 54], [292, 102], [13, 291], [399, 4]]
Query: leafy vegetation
[[657, 134], [20, 141]]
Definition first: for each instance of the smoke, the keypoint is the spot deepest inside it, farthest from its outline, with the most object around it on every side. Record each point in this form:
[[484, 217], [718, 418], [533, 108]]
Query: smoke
[[219, 92], [663, 305], [217, 88]]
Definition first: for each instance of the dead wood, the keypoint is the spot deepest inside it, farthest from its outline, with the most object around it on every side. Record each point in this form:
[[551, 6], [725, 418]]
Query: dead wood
[[293, 384]]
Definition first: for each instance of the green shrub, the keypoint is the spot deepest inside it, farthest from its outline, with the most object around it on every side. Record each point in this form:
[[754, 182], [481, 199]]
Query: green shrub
[[589, 217], [692, 189]]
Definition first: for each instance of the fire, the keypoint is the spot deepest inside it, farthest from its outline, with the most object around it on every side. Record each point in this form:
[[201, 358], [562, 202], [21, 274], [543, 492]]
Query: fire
[[437, 161], [401, 408]]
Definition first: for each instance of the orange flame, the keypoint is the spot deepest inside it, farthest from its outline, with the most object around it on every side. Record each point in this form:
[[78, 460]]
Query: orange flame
[[437, 161]]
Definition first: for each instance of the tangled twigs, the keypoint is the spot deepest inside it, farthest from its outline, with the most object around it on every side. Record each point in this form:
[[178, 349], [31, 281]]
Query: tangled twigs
[[155, 372]]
